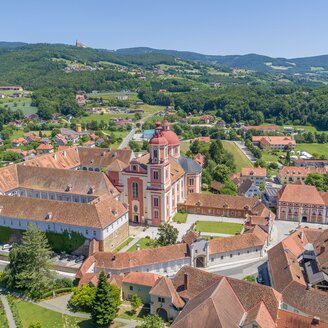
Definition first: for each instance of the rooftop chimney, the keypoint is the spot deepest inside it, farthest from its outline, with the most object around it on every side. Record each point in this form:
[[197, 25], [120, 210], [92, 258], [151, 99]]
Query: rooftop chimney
[[186, 281], [302, 235]]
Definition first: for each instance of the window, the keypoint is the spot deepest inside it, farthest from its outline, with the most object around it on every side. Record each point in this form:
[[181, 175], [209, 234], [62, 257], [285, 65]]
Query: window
[[135, 190], [94, 232], [135, 208], [156, 214], [156, 201], [161, 299], [134, 168], [191, 181], [155, 154], [222, 257], [131, 287], [155, 174]]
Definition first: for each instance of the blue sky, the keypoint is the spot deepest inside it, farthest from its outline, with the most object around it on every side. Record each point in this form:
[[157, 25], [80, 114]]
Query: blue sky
[[289, 28]]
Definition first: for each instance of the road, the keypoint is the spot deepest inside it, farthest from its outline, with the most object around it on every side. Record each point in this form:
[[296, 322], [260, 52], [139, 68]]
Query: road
[[129, 137], [244, 149]]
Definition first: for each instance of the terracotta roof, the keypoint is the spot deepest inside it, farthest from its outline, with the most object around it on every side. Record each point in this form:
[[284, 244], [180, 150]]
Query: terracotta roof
[[117, 166], [103, 157], [253, 171], [216, 185], [164, 288], [45, 147], [275, 140], [299, 171], [97, 214], [288, 319], [141, 278], [68, 181], [255, 239], [217, 306], [171, 137], [260, 315], [309, 301], [8, 178], [126, 260], [292, 193], [176, 171], [220, 201], [190, 236], [284, 267]]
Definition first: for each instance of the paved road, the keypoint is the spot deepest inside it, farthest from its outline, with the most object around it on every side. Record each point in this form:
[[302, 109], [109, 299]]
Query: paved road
[[9, 314], [245, 150], [127, 139]]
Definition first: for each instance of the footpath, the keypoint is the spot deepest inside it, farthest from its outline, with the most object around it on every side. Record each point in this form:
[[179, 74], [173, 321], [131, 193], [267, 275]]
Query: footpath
[[9, 314]]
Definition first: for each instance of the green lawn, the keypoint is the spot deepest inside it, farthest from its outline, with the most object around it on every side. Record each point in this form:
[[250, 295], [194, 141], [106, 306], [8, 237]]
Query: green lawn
[[118, 248], [268, 156], [315, 148], [306, 128], [180, 217], [30, 313], [240, 159], [144, 244], [104, 117], [218, 227], [3, 318], [23, 104]]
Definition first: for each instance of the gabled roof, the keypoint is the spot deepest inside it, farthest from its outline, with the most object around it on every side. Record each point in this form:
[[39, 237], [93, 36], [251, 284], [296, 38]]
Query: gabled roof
[[141, 278], [305, 194], [260, 315], [164, 288]]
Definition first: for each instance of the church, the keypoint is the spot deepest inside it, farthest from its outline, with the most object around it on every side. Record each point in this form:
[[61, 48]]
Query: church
[[153, 184]]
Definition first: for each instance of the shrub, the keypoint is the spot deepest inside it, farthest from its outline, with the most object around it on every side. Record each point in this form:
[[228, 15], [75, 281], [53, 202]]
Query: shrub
[[82, 298]]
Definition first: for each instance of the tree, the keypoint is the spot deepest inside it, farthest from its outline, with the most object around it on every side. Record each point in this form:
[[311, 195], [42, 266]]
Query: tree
[[168, 235], [221, 173], [152, 321], [35, 325], [260, 162], [29, 267], [228, 188], [82, 298], [317, 180], [135, 302], [249, 278], [104, 306]]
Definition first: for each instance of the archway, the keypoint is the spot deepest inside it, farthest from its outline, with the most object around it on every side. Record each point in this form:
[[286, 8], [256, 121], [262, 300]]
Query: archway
[[304, 219], [200, 261], [162, 313]]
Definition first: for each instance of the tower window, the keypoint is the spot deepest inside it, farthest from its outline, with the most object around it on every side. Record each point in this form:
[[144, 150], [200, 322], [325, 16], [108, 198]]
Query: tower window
[[155, 175], [156, 201], [155, 153], [135, 190]]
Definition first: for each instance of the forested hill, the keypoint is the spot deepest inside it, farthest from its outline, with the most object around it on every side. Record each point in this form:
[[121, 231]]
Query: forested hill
[[250, 61]]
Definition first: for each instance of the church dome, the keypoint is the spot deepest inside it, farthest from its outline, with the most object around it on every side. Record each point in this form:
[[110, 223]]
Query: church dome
[[169, 135]]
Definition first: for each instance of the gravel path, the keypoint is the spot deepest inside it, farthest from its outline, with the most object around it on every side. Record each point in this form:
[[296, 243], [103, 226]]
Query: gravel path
[[9, 314]]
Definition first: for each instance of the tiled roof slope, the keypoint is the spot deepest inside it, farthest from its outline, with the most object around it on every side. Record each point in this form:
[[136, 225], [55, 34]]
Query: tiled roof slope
[[97, 214]]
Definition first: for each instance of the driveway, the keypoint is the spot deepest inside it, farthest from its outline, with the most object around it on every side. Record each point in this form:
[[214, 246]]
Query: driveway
[[244, 149]]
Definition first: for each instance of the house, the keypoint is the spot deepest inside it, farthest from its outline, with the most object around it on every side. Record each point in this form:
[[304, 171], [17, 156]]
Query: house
[[18, 142], [297, 271], [148, 134], [89, 144], [255, 174], [60, 140], [45, 149], [270, 196], [139, 283], [45, 141], [274, 142], [122, 96], [310, 162], [301, 203], [216, 186], [206, 119], [99, 141], [248, 188], [31, 137], [293, 174], [200, 159], [221, 123], [81, 99]]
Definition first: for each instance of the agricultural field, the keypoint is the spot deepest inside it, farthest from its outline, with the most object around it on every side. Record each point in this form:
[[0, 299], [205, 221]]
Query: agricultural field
[[240, 159]]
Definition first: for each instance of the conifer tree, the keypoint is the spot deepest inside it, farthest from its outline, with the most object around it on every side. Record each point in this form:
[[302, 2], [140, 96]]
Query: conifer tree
[[104, 305]]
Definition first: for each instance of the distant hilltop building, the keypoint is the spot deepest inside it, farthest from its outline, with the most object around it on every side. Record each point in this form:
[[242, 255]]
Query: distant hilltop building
[[79, 44]]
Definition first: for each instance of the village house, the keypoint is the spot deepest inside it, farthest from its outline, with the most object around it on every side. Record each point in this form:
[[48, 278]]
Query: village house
[[274, 142], [248, 188], [310, 162], [297, 270], [60, 140], [254, 174], [18, 142], [89, 144], [293, 174], [302, 203], [45, 149]]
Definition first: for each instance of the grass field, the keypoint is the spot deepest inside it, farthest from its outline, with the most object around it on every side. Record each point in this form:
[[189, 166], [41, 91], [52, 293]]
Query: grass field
[[118, 248], [180, 217], [104, 117], [24, 105], [320, 149], [240, 159], [218, 227], [3, 318], [305, 128], [144, 244], [30, 313]]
